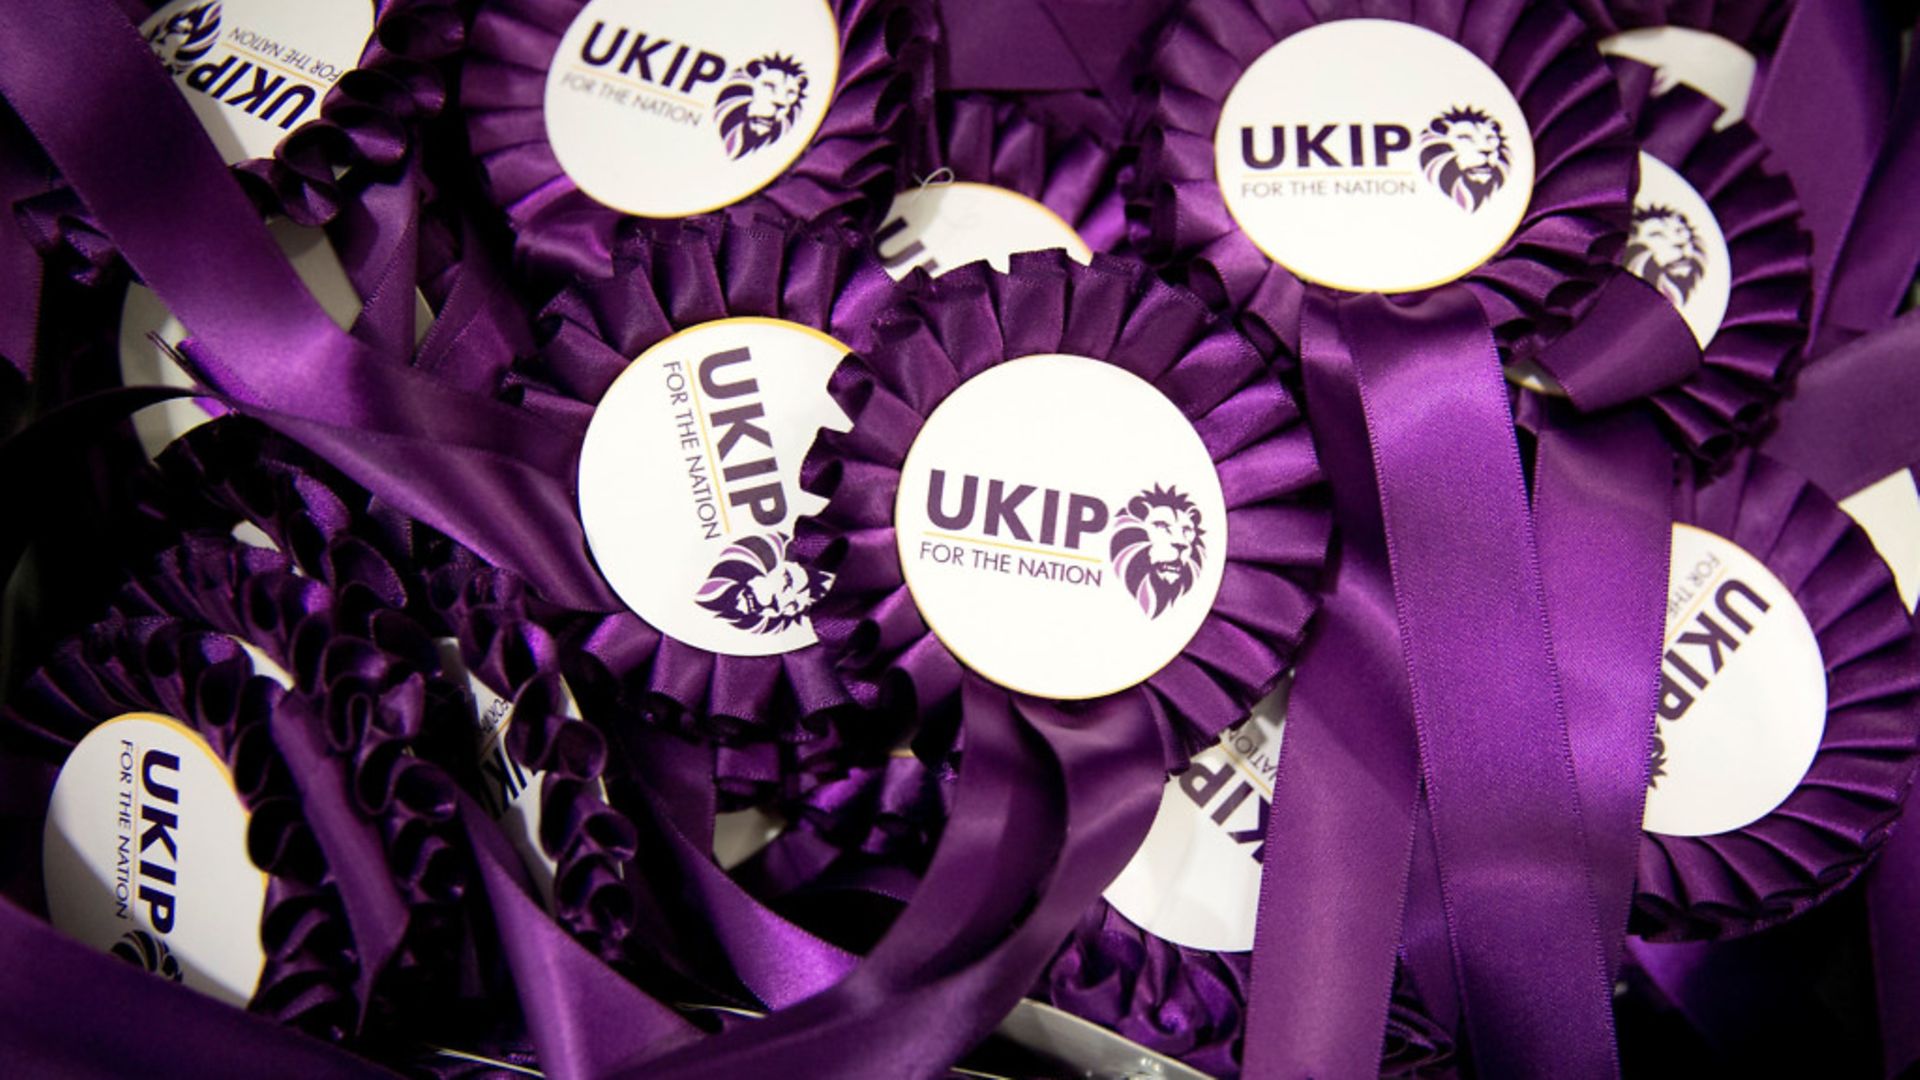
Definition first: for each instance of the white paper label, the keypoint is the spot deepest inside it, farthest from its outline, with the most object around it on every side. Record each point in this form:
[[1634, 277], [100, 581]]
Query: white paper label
[[667, 110], [1890, 512], [1061, 526], [1195, 880], [510, 792], [1707, 62], [690, 482], [253, 70], [146, 857], [264, 664], [1743, 692], [1677, 247], [941, 226], [1374, 156], [149, 333]]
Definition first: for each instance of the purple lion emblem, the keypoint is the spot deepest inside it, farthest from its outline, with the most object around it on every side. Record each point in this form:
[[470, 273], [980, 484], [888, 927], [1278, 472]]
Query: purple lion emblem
[[186, 38], [1158, 547], [759, 102], [1665, 252], [1464, 154], [756, 588]]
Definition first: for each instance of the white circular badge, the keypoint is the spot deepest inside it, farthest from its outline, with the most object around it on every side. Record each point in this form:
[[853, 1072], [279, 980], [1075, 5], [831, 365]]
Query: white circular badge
[[146, 857], [668, 110], [1195, 880], [1681, 55], [1743, 692], [253, 70], [690, 482], [1061, 526], [1676, 246], [940, 226], [1374, 156]]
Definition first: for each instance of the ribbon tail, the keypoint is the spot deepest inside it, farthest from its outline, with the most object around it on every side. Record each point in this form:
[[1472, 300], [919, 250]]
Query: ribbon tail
[[1340, 831], [585, 1019], [1604, 506], [69, 1010], [1494, 749], [950, 969], [1850, 422]]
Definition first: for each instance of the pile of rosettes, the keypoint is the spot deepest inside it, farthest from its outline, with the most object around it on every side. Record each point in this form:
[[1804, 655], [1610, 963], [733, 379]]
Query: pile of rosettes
[[1008, 539]]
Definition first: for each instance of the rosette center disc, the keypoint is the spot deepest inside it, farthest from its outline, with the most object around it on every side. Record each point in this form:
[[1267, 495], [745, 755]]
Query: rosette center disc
[[1061, 526], [1374, 156], [668, 110]]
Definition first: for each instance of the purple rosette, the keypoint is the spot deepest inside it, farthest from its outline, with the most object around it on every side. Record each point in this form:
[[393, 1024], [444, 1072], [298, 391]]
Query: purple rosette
[[667, 280], [846, 174], [182, 666], [951, 329], [1540, 279], [1758, 346], [369, 121], [1828, 829]]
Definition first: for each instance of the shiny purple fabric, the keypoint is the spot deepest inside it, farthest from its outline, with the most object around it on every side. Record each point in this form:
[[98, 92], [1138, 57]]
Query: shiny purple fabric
[[1822, 836], [988, 139], [847, 174], [1758, 347], [1548, 270], [665, 280], [1755, 25]]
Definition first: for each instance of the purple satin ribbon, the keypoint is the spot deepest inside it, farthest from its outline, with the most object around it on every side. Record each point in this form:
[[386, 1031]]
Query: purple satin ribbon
[[1820, 103], [1875, 264], [1850, 422]]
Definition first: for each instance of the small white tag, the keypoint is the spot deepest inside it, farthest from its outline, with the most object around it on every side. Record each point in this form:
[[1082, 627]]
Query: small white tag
[[1890, 512], [146, 857], [690, 482], [1061, 526], [1743, 699], [1707, 62], [510, 792], [739, 835], [264, 664], [1677, 247], [253, 70], [1196, 879], [941, 226], [668, 110], [1374, 156]]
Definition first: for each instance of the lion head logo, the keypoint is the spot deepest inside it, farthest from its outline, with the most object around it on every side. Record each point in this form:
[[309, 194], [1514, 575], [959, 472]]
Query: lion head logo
[[756, 588], [183, 40], [759, 102], [1464, 154], [143, 950], [1158, 547], [1665, 252]]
